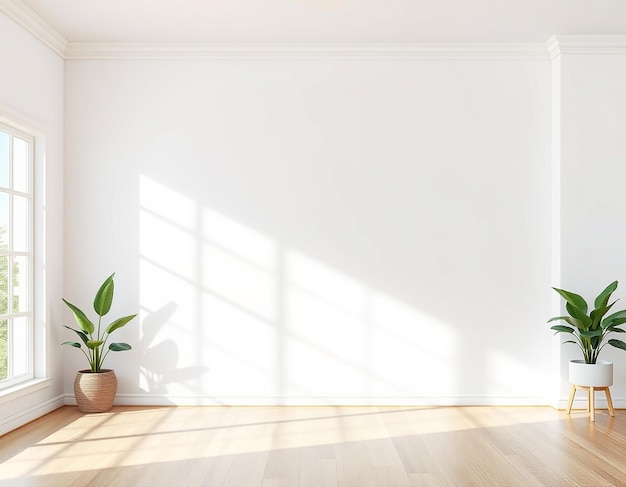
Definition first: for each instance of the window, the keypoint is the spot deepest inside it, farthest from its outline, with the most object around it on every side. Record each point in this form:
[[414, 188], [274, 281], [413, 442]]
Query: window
[[16, 256]]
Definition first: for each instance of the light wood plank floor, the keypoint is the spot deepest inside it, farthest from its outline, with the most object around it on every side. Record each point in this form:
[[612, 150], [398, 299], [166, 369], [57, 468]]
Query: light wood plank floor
[[317, 446]]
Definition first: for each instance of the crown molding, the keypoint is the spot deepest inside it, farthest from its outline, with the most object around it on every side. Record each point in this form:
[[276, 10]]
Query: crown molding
[[33, 23], [586, 44], [97, 50], [15, 119], [555, 46]]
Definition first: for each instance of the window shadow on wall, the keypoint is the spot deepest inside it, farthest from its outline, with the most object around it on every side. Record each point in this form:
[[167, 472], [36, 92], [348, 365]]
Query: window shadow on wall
[[249, 317]]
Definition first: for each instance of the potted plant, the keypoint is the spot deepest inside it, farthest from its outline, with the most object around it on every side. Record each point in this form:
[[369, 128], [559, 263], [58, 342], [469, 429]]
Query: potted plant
[[95, 388], [589, 330]]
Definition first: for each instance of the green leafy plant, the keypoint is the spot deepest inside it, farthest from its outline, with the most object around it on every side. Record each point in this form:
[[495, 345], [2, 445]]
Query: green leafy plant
[[590, 329], [95, 337]]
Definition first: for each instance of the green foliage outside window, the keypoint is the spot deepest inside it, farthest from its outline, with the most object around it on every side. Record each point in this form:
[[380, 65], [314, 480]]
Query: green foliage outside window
[[4, 293], [4, 304], [4, 355]]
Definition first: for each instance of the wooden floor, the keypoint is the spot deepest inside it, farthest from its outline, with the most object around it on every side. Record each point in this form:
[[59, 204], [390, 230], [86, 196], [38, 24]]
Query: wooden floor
[[317, 446]]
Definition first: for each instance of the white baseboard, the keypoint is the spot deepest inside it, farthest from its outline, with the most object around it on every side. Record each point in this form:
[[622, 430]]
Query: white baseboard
[[28, 415]]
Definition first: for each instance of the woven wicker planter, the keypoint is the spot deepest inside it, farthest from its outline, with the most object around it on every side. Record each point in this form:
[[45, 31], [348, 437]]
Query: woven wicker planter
[[95, 392]]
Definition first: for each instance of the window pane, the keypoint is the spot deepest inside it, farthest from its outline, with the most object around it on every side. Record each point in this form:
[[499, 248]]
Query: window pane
[[4, 159], [20, 284], [20, 224], [19, 352], [16, 259], [4, 221], [4, 284], [4, 350], [20, 164]]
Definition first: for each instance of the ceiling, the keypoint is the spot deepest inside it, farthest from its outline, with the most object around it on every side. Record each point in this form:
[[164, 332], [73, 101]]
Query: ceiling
[[328, 21]]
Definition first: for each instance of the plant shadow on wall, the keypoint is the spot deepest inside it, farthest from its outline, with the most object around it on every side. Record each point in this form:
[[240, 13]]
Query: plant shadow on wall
[[159, 359]]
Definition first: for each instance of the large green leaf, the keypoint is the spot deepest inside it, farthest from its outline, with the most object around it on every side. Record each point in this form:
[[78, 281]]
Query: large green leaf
[[94, 343], [615, 329], [567, 319], [72, 344], [81, 334], [605, 295], [579, 315], [597, 314], [104, 296], [590, 333], [562, 328], [85, 324], [617, 343], [119, 323], [119, 347], [614, 319], [573, 298]]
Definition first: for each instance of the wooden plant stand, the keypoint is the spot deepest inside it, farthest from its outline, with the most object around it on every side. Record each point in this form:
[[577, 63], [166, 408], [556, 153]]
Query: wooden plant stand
[[591, 406]]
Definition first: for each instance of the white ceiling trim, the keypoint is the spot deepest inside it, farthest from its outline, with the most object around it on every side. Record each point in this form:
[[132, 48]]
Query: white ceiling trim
[[95, 50], [556, 45], [586, 44], [33, 23]]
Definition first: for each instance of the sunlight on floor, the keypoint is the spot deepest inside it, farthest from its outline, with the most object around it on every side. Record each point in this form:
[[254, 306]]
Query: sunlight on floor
[[141, 436]]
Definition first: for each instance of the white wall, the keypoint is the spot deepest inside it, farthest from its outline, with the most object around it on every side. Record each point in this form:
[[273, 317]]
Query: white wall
[[315, 230], [319, 230], [593, 169], [31, 88]]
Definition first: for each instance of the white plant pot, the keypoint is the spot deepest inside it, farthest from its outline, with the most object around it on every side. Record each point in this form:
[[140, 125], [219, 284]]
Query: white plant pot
[[599, 374]]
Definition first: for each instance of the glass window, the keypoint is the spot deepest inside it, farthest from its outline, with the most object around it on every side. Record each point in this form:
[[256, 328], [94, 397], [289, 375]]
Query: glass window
[[16, 256]]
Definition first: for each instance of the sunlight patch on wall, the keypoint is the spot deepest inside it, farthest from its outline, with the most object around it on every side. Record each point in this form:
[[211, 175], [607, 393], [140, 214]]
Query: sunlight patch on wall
[[168, 260], [252, 317], [419, 344], [168, 229], [221, 278], [326, 333], [238, 264], [238, 278], [345, 338]]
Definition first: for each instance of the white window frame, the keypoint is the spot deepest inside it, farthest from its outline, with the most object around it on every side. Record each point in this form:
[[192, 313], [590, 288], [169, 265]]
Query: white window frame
[[12, 378]]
